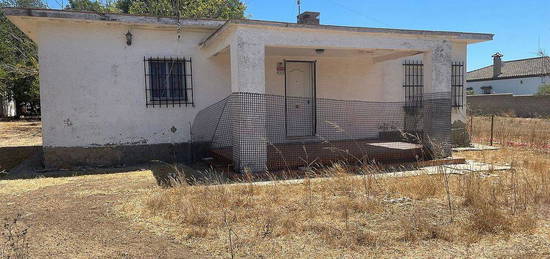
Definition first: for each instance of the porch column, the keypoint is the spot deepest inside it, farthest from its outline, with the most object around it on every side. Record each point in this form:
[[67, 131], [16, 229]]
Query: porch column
[[437, 99], [248, 104]]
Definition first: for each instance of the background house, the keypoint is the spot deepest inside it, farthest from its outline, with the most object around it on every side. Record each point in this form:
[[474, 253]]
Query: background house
[[120, 89], [518, 77], [7, 107]]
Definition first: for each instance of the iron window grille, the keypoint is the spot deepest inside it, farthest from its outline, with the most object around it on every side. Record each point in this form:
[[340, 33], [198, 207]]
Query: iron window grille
[[457, 84], [413, 83], [168, 82]]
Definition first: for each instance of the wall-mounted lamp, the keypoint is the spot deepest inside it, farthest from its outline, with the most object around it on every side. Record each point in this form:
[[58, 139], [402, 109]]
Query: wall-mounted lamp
[[128, 38], [320, 51]]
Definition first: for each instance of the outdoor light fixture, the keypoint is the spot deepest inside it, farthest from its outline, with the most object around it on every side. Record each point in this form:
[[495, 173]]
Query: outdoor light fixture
[[128, 38], [320, 51]]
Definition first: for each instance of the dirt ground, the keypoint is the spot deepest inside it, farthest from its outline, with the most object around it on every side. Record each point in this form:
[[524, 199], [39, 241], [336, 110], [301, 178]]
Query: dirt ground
[[20, 133], [107, 214], [18, 140], [76, 217]]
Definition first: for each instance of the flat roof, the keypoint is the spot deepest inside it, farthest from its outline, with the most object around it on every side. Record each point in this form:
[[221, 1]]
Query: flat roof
[[220, 25], [112, 17]]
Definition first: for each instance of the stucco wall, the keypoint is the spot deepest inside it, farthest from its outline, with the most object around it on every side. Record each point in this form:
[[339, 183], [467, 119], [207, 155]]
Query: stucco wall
[[517, 86], [338, 78], [93, 91], [92, 83]]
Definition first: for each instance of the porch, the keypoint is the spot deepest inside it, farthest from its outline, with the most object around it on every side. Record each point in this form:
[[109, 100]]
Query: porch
[[294, 155], [311, 97], [344, 130]]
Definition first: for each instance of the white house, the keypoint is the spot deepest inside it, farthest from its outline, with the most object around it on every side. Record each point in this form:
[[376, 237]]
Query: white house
[[7, 107], [518, 77], [119, 89]]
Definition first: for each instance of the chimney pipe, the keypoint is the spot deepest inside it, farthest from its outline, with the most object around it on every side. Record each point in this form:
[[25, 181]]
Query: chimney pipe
[[311, 18], [497, 64]]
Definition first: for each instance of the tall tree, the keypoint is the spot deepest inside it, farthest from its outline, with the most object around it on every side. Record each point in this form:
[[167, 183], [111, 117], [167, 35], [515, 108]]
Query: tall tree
[[92, 6], [219, 9], [18, 59]]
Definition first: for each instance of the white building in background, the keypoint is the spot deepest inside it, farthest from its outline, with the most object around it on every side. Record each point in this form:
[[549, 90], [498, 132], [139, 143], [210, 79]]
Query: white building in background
[[7, 107], [518, 77], [120, 89]]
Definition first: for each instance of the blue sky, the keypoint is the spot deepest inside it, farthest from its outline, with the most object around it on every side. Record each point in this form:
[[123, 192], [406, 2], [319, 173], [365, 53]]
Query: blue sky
[[520, 27]]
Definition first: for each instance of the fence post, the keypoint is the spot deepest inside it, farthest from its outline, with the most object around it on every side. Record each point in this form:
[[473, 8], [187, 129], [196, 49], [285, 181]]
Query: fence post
[[471, 127], [492, 127]]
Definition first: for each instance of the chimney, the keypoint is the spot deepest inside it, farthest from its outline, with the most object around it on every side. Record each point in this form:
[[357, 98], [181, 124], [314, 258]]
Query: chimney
[[311, 18], [497, 64]]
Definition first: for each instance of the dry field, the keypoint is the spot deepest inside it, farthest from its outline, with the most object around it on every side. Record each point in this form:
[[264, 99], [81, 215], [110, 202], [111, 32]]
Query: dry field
[[20, 133], [493, 214], [514, 132]]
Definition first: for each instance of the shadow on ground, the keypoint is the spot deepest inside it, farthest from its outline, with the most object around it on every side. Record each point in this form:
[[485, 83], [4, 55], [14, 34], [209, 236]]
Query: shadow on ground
[[11, 157]]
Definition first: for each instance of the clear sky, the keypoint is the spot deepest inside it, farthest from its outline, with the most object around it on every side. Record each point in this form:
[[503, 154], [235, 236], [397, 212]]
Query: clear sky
[[520, 26]]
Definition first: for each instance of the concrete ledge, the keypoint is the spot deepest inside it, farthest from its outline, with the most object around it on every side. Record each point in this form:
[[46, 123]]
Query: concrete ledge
[[72, 157]]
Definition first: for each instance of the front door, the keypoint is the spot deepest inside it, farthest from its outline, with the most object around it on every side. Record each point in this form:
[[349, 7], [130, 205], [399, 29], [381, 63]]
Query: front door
[[300, 98]]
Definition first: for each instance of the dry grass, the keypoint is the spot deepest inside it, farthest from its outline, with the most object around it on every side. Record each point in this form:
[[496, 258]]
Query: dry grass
[[477, 214], [511, 131], [15, 187], [494, 214], [20, 133], [354, 216]]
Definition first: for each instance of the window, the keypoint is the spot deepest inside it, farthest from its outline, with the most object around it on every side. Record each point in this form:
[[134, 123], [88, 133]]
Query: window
[[457, 84], [413, 83], [486, 89], [168, 82]]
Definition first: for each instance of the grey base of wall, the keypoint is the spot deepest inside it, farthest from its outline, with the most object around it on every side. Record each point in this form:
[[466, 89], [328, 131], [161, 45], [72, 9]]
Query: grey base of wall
[[71, 157]]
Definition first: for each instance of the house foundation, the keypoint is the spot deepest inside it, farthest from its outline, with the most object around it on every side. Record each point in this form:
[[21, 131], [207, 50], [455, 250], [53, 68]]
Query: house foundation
[[72, 157]]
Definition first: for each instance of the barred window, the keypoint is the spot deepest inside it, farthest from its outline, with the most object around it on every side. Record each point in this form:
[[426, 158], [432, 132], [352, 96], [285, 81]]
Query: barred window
[[168, 82], [457, 84], [413, 83]]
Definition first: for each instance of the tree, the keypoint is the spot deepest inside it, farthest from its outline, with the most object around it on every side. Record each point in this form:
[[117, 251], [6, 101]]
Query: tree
[[544, 90], [219, 9], [92, 6], [18, 59]]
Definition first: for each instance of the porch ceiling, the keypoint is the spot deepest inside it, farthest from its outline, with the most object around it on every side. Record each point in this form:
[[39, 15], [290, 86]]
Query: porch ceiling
[[375, 54]]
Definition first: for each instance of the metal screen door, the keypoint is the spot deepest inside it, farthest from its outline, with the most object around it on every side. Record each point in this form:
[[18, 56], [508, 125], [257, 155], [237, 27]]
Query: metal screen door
[[300, 98]]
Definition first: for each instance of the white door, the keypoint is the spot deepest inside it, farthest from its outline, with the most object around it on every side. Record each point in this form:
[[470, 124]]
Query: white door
[[300, 98]]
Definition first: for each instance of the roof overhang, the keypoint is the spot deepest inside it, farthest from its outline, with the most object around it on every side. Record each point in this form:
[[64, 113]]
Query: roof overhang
[[465, 37], [27, 18]]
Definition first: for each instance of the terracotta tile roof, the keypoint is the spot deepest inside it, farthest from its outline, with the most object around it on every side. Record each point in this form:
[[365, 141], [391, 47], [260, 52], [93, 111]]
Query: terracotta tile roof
[[513, 69]]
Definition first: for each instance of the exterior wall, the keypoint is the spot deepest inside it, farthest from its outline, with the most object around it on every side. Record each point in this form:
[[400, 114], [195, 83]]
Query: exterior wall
[[523, 105], [516, 86], [459, 54], [93, 88], [339, 78]]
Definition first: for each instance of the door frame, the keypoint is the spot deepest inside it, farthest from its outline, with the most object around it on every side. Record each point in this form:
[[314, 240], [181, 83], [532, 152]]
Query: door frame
[[314, 97]]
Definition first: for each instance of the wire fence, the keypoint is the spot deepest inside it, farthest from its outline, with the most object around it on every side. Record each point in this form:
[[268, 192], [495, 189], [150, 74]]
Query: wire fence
[[268, 132], [510, 131]]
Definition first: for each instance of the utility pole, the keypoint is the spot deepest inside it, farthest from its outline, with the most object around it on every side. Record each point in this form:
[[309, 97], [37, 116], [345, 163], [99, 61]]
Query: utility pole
[[299, 7]]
